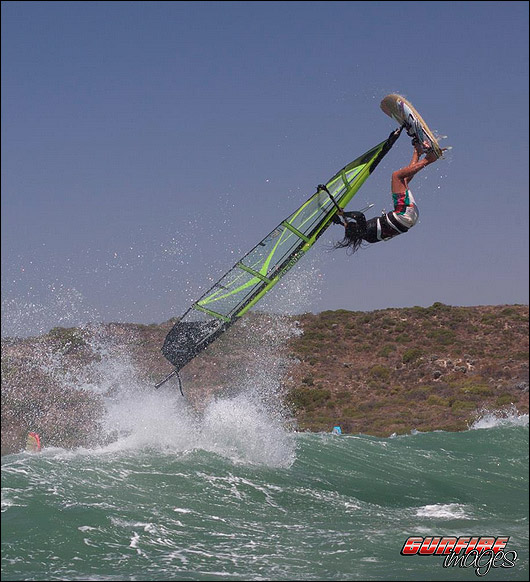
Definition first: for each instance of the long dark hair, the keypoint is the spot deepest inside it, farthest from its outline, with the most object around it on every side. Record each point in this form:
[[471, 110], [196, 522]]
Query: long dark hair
[[353, 238]]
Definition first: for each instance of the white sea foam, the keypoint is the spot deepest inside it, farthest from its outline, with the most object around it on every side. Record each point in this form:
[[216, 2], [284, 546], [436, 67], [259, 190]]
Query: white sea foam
[[242, 429], [239, 428], [250, 427], [443, 511], [497, 418], [246, 428]]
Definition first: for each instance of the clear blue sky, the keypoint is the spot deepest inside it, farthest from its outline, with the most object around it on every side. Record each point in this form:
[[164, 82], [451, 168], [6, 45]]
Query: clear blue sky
[[147, 145]]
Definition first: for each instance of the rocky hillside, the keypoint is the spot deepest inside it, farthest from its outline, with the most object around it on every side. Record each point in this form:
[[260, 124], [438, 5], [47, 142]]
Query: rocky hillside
[[396, 370], [381, 372]]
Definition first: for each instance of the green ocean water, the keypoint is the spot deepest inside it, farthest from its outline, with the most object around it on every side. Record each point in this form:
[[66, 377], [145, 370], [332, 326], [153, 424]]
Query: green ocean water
[[236, 496]]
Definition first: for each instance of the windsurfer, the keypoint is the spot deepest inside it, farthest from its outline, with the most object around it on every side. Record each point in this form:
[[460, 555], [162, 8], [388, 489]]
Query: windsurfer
[[400, 220], [33, 442]]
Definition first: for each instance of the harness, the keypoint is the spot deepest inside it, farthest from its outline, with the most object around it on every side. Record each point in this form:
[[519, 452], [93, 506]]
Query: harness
[[383, 227]]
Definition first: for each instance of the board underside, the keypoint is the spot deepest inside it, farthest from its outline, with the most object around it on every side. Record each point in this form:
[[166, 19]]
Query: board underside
[[404, 113]]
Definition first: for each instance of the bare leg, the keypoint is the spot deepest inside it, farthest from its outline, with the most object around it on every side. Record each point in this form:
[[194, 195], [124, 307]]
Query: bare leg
[[401, 178]]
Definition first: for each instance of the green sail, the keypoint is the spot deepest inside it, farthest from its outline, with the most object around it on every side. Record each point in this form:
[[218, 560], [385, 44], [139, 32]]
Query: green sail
[[260, 269]]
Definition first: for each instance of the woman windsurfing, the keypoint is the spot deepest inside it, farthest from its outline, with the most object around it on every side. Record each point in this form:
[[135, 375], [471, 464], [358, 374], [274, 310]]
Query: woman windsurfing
[[401, 219]]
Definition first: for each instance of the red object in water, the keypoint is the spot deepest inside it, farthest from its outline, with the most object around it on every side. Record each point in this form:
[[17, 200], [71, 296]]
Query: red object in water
[[33, 442]]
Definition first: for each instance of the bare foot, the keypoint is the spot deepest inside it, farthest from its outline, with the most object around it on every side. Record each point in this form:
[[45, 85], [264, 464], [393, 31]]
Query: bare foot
[[431, 157]]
